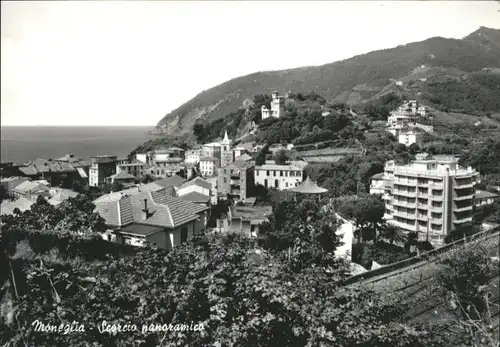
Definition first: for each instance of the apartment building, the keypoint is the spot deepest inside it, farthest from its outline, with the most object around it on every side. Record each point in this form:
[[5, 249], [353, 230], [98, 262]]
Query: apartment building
[[135, 168], [409, 136], [209, 165], [101, 166], [280, 177], [431, 196], [212, 150], [236, 180]]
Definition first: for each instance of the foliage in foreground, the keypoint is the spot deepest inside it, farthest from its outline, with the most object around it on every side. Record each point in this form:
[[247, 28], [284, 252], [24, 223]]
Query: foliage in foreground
[[464, 277], [241, 293]]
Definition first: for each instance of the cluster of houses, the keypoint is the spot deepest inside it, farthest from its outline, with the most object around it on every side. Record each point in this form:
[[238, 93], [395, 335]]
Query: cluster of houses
[[402, 123]]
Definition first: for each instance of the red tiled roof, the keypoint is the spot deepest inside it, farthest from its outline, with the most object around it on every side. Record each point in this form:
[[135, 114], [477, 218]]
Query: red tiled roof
[[175, 181], [165, 211], [195, 197], [199, 182]]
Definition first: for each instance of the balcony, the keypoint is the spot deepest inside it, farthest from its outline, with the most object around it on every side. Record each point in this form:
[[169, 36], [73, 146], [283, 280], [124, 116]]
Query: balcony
[[438, 209], [462, 209], [423, 195], [404, 193], [403, 182], [407, 227], [437, 221], [403, 214], [422, 217], [404, 203], [436, 185], [462, 220], [465, 185], [386, 197], [420, 205], [464, 197], [436, 197]]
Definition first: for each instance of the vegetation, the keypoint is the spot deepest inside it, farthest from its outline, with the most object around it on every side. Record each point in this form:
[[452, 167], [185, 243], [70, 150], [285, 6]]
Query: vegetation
[[478, 93], [242, 294], [464, 276]]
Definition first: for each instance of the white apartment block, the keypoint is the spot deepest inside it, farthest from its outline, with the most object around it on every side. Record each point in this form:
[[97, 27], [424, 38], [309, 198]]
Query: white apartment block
[[431, 196], [280, 177], [193, 156], [209, 165]]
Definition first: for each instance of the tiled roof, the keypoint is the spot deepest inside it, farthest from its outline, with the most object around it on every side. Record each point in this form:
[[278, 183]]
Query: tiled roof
[[199, 182], [28, 170], [164, 211], [212, 144], [208, 158], [244, 157], [175, 181], [483, 194], [30, 187], [195, 197], [308, 187], [140, 229], [7, 207], [122, 175], [378, 176], [240, 164], [278, 167]]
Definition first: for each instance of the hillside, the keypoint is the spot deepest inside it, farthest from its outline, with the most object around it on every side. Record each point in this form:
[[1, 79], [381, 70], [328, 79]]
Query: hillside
[[449, 64]]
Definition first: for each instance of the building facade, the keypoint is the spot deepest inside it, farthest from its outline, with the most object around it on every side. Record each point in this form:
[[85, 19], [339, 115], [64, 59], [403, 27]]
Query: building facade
[[137, 169], [193, 156], [409, 137], [430, 196], [277, 107], [101, 167], [211, 150], [236, 181], [280, 177], [209, 165]]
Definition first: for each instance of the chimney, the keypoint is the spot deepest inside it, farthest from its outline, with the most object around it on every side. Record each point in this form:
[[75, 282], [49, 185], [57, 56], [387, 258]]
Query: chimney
[[145, 211]]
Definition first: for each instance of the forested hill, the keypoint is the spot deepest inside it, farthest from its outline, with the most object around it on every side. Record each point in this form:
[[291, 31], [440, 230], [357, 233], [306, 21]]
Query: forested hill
[[451, 67]]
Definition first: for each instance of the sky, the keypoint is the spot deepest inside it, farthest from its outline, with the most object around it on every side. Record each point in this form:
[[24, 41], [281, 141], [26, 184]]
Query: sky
[[130, 63]]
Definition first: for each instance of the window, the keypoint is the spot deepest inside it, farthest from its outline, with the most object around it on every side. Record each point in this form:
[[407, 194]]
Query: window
[[274, 173], [225, 180], [267, 173], [265, 183], [276, 183], [281, 173], [292, 173], [299, 173], [184, 234]]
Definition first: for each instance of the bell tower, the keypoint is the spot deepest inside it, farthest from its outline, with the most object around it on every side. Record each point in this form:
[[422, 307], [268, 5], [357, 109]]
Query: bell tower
[[227, 155]]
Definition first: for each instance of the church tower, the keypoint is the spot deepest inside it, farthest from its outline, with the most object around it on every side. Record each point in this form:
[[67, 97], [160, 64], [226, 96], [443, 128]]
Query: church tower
[[227, 155]]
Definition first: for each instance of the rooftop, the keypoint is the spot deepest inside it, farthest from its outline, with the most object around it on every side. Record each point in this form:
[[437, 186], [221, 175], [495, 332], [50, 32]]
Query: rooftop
[[199, 182], [308, 187], [483, 194], [22, 203], [30, 187], [122, 175], [244, 157], [175, 181], [279, 167], [163, 210], [195, 197], [212, 144], [378, 176]]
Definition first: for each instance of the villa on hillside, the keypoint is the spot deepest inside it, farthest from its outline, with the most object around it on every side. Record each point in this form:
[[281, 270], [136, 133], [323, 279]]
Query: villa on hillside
[[277, 107]]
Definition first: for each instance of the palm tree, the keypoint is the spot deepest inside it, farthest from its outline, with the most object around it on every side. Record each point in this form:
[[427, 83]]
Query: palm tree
[[392, 233]]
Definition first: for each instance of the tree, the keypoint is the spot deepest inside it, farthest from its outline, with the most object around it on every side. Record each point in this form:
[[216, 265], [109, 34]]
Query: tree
[[366, 211], [117, 186], [147, 178], [261, 156], [392, 233], [281, 157]]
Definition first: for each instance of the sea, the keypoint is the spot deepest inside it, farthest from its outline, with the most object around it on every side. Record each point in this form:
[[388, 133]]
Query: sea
[[20, 144]]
